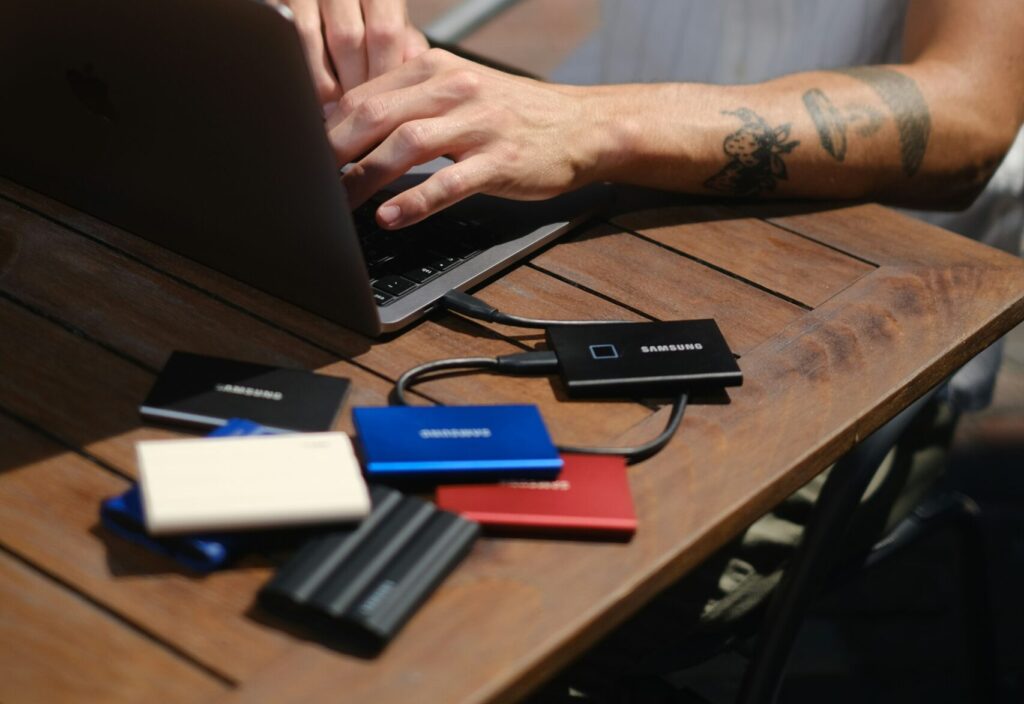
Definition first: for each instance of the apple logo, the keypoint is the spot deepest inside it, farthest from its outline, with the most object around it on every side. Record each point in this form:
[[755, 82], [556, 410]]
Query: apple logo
[[92, 92]]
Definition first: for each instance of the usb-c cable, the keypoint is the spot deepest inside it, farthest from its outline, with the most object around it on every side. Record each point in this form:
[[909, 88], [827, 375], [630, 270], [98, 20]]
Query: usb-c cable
[[473, 307], [539, 363]]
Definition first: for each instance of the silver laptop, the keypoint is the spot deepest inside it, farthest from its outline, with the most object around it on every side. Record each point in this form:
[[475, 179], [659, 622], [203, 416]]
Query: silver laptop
[[194, 123]]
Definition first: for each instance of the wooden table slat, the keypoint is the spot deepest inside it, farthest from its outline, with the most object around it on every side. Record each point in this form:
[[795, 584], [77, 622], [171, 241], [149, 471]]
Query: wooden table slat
[[127, 306], [56, 647], [668, 286], [217, 285], [779, 260], [529, 292], [852, 229], [52, 368]]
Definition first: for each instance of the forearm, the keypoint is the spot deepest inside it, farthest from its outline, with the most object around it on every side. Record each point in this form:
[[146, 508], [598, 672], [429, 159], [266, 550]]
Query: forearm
[[916, 135], [929, 132]]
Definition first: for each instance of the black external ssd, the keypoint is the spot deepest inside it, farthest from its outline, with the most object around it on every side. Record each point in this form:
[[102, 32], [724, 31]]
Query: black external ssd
[[633, 360], [206, 392], [373, 578]]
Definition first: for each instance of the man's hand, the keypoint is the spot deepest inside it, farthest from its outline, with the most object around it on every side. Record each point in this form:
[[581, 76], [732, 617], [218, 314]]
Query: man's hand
[[351, 41], [508, 136]]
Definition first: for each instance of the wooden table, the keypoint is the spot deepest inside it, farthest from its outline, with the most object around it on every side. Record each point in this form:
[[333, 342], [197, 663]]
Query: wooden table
[[841, 317]]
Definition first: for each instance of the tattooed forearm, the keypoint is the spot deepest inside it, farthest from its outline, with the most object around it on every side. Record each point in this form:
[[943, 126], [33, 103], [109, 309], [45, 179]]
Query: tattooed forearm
[[754, 151], [908, 107]]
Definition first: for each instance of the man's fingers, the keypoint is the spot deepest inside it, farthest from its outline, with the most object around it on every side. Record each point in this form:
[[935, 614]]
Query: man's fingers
[[348, 42], [365, 38], [408, 74], [345, 34], [385, 35], [442, 190], [412, 143], [379, 115], [307, 21], [415, 43]]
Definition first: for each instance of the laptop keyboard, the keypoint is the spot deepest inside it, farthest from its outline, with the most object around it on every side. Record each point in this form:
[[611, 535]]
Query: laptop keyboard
[[401, 261]]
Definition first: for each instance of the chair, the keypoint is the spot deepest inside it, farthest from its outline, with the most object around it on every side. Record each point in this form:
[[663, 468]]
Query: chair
[[825, 559], [817, 566]]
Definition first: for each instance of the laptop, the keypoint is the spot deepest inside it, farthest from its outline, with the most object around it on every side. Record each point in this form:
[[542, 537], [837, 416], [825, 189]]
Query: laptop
[[194, 124]]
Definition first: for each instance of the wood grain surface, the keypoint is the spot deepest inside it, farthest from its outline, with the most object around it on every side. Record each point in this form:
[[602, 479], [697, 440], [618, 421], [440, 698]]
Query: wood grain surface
[[56, 647], [786, 264], [841, 316]]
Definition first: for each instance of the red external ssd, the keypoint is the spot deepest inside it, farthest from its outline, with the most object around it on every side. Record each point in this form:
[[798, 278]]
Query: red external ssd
[[590, 497]]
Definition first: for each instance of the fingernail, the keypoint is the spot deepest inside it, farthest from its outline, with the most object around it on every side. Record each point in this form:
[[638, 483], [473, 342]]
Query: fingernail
[[389, 214], [328, 109]]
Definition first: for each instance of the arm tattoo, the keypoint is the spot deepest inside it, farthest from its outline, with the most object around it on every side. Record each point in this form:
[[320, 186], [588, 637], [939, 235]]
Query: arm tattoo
[[865, 118], [832, 124], [908, 107], [754, 151]]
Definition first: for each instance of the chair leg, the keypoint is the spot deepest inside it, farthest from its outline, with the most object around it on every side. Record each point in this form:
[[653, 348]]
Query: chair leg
[[961, 513], [815, 558], [977, 601]]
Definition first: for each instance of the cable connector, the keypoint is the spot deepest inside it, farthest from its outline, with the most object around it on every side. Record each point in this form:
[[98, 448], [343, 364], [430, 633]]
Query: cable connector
[[473, 307], [538, 363], [468, 305], [522, 364]]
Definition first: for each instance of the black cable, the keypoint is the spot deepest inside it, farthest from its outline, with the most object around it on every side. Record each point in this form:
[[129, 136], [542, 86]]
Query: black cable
[[639, 452], [410, 376], [536, 363], [540, 363], [473, 307]]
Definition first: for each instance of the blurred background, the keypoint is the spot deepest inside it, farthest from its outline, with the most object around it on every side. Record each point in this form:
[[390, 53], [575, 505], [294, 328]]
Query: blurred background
[[897, 634]]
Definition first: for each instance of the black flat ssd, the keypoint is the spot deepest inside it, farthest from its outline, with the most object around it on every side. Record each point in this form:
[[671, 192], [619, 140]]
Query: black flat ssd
[[634, 360], [206, 392]]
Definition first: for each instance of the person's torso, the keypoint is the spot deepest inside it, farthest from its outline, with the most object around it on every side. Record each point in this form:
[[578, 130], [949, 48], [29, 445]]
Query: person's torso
[[733, 41]]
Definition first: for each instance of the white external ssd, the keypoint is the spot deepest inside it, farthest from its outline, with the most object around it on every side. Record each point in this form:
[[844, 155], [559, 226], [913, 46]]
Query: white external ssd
[[257, 481]]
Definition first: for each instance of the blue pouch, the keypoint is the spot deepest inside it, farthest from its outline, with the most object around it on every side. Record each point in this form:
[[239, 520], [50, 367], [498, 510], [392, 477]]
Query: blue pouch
[[123, 516]]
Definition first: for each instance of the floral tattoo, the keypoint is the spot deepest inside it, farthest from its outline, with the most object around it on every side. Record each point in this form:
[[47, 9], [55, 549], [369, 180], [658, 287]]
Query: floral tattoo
[[755, 151]]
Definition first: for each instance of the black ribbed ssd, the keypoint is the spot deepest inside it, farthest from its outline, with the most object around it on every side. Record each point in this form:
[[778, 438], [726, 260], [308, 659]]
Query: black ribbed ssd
[[372, 578]]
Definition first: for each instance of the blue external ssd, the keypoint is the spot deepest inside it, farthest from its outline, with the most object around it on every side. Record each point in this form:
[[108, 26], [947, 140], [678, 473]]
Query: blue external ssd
[[469, 443], [123, 515]]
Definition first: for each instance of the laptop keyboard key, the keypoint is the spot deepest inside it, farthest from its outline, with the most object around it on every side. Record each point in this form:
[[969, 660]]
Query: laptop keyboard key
[[454, 248], [394, 285], [399, 261], [443, 263], [381, 298], [382, 266], [420, 274]]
